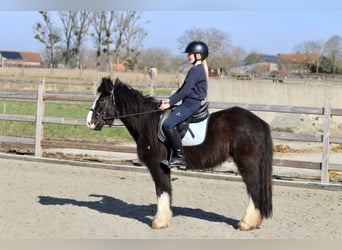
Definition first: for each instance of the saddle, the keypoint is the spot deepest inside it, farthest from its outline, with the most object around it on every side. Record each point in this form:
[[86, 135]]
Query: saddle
[[197, 120]]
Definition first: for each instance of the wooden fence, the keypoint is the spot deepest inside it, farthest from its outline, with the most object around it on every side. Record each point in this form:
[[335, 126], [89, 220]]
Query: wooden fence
[[41, 96]]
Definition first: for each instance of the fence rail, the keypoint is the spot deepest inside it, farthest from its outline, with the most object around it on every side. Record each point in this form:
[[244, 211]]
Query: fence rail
[[41, 96]]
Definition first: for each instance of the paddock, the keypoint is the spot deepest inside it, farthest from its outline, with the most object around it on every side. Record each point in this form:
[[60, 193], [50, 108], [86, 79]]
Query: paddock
[[56, 199]]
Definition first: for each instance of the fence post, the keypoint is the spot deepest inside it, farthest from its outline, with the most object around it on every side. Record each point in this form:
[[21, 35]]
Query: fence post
[[94, 88], [38, 152], [326, 142], [151, 88]]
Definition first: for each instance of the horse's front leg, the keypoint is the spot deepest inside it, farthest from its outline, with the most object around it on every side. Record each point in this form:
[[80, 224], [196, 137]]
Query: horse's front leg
[[163, 189], [163, 216]]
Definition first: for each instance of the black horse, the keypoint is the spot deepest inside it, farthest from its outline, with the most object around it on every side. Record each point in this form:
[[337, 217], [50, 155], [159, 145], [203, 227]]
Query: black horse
[[233, 132]]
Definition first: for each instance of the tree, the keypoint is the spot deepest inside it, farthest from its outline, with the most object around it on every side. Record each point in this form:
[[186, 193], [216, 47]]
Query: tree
[[333, 48], [103, 26], [254, 58], [81, 22], [155, 57], [128, 37], [316, 48], [117, 34], [66, 18], [218, 42], [235, 55], [75, 27], [49, 35]]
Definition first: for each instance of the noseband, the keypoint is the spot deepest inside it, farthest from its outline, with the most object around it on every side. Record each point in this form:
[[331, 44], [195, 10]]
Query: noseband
[[100, 116]]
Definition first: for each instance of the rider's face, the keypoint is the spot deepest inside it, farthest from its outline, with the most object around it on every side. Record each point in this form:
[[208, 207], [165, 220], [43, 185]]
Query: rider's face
[[191, 58]]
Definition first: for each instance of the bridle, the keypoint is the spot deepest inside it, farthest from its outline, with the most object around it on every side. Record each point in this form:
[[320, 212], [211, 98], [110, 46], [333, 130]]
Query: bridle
[[102, 118]]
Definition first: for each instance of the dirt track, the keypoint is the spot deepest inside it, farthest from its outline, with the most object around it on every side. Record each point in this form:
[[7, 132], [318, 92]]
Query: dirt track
[[41, 200]]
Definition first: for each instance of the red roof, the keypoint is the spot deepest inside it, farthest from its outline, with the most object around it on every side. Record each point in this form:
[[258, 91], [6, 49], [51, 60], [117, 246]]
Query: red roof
[[33, 57], [298, 58]]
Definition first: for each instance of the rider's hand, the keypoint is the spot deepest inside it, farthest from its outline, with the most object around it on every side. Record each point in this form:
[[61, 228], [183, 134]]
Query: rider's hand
[[165, 104]]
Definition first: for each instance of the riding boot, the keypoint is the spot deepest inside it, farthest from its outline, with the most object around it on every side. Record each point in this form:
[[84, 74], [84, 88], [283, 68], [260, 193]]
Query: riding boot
[[177, 155]]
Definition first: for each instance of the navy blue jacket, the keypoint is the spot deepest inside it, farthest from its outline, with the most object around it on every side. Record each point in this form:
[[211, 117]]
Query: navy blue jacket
[[194, 88]]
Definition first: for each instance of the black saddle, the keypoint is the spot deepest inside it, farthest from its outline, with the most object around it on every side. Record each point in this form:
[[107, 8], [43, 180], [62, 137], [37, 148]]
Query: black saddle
[[201, 114]]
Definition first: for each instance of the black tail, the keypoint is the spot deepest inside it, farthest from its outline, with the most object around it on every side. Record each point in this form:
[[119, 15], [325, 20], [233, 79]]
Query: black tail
[[266, 177]]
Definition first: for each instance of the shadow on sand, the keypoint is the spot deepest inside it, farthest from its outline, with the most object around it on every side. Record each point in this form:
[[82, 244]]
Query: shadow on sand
[[142, 213]]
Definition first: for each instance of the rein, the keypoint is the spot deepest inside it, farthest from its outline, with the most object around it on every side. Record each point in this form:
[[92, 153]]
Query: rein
[[105, 118], [122, 116]]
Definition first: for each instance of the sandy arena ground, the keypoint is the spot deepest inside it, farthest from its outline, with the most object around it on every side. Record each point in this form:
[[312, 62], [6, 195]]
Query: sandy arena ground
[[53, 201]]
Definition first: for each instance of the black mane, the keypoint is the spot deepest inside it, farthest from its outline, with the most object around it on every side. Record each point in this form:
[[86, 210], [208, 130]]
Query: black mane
[[140, 113], [133, 100]]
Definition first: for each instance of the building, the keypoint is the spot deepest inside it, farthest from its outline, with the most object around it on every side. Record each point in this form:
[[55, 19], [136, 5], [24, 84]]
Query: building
[[292, 63], [20, 58], [256, 64], [297, 62]]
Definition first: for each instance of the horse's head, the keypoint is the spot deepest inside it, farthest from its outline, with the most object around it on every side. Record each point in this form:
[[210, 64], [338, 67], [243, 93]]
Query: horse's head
[[103, 111]]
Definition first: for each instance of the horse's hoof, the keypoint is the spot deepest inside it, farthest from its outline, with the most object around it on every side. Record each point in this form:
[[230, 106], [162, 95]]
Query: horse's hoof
[[243, 226], [157, 224]]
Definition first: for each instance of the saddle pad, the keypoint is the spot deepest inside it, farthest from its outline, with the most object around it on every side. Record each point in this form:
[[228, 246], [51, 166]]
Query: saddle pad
[[197, 134]]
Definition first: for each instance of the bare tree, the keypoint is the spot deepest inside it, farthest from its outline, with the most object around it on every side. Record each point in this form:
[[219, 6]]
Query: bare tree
[[231, 58], [156, 57], [116, 34], [236, 55], [75, 27], [81, 22], [48, 34], [333, 49], [103, 25], [128, 36], [134, 35], [316, 48], [66, 18]]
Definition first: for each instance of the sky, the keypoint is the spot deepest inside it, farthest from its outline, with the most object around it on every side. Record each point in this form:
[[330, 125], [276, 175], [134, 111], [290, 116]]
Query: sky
[[269, 32], [266, 28]]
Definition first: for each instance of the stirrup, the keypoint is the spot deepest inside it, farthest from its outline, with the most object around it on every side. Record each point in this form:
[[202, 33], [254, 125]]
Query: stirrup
[[166, 163], [177, 162], [169, 165]]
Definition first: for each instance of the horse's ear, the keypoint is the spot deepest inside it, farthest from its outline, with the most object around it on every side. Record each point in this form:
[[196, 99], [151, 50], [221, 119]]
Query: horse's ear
[[117, 80], [111, 86], [106, 85]]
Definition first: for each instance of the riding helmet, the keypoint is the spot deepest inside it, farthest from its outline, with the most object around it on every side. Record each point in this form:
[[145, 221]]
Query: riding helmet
[[198, 47]]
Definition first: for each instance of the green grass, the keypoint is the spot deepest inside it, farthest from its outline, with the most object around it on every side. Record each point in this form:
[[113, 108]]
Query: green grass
[[157, 91], [55, 109], [70, 110], [56, 131]]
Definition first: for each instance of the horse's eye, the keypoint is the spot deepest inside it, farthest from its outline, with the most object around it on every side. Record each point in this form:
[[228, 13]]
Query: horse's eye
[[103, 100]]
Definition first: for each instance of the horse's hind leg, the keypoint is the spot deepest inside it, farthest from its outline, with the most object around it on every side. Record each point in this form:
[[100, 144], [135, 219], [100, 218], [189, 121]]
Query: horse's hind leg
[[251, 176], [252, 218]]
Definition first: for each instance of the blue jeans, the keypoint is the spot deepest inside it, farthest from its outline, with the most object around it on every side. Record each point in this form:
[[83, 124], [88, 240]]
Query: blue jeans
[[180, 114]]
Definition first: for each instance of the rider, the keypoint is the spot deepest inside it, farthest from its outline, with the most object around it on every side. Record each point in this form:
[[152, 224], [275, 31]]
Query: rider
[[192, 94]]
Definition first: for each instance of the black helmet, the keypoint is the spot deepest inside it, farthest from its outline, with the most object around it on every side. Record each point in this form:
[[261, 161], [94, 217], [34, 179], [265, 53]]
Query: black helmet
[[198, 47]]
